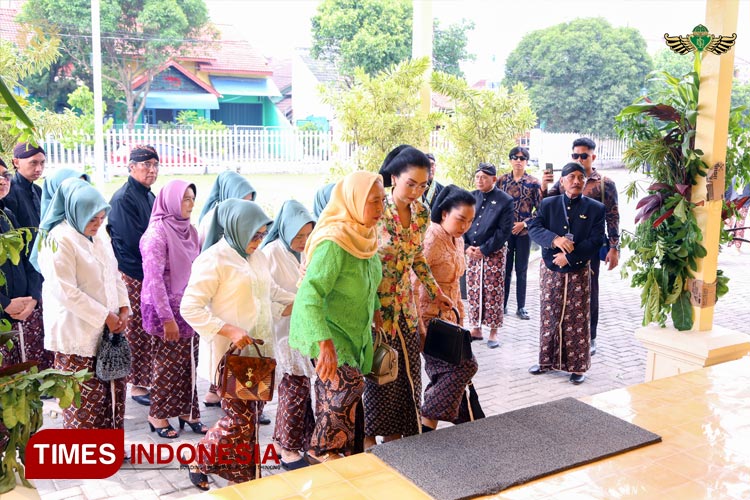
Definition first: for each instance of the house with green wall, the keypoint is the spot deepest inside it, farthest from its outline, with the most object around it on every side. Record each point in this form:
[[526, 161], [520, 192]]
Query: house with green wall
[[230, 83]]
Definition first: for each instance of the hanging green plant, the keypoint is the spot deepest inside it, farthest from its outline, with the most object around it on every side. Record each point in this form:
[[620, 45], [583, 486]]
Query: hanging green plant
[[667, 242]]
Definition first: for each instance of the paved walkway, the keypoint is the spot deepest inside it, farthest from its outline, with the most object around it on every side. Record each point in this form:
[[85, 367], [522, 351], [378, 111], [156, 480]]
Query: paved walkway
[[503, 382]]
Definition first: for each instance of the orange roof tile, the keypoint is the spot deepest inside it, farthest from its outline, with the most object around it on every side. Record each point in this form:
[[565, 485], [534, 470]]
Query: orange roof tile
[[236, 57]]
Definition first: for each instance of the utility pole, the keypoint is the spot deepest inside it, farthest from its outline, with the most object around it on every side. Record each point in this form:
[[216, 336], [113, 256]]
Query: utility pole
[[96, 44], [422, 47]]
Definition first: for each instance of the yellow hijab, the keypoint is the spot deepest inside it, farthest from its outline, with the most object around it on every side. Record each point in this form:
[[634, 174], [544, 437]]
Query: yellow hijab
[[341, 220]]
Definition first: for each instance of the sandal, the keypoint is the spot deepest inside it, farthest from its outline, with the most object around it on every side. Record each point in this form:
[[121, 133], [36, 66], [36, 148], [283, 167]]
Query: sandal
[[198, 427], [167, 432], [199, 479], [320, 459]]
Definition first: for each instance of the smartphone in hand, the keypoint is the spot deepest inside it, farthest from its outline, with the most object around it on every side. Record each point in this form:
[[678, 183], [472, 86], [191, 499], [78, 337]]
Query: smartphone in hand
[[548, 168]]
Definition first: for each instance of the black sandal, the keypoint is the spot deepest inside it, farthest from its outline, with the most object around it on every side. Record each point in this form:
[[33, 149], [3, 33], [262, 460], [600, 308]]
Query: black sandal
[[167, 432], [199, 479], [198, 427]]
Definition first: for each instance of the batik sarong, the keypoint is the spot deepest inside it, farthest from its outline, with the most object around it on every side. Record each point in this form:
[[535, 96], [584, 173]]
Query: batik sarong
[[294, 415], [141, 343], [393, 408], [485, 287], [447, 385], [564, 325], [237, 427], [336, 405], [173, 391], [98, 398]]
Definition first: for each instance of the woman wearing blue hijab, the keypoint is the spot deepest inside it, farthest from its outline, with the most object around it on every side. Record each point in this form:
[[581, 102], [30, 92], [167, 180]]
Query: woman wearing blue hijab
[[228, 186], [321, 198], [82, 292], [52, 184], [228, 300], [294, 416]]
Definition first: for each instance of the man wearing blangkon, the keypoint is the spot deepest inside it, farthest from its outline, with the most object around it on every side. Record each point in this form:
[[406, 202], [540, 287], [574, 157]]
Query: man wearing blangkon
[[583, 152]]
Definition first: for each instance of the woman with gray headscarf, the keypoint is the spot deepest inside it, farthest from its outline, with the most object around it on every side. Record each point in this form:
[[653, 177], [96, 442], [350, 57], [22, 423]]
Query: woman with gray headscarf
[[82, 292], [294, 416], [228, 301]]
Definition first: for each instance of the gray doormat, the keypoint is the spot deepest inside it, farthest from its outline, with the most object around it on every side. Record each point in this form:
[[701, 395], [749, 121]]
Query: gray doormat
[[492, 454]]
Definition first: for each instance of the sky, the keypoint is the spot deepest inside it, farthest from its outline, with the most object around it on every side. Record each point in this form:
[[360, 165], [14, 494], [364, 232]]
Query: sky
[[276, 27]]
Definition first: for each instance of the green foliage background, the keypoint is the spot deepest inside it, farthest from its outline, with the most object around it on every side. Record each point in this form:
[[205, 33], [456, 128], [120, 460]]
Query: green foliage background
[[137, 36], [377, 34], [580, 74]]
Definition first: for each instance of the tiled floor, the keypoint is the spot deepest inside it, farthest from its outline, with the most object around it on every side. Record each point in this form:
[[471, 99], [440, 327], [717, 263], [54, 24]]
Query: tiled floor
[[702, 416]]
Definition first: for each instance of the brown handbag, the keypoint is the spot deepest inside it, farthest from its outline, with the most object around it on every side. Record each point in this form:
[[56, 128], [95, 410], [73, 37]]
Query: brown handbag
[[246, 377]]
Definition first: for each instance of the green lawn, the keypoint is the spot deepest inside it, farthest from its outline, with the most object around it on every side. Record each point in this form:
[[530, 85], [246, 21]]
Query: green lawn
[[273, 189]]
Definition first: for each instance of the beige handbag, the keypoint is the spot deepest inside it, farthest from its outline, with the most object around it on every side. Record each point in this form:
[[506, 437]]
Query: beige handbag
[[384, 361]]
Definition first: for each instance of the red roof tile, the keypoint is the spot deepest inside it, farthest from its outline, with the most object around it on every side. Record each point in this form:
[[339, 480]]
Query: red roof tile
[[8, 26], [282, 73]]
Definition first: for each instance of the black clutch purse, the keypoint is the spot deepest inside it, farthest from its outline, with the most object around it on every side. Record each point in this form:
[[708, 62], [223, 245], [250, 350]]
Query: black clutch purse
[[448, 341], [113, 358]]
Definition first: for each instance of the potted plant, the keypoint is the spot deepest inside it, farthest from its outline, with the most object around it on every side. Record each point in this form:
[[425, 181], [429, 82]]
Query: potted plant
[[22, 385], [667, 243]]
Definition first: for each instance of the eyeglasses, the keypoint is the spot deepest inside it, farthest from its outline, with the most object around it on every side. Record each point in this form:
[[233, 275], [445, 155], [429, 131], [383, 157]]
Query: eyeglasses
[[583, 156], [6, 175], [259, 236], [150, 165], [521, 157]]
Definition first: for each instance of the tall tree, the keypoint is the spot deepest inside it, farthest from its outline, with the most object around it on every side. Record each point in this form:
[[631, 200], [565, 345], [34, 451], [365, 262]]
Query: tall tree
[[483, 126], [580, 74], [376, 34], [449, 46], [138, 37]]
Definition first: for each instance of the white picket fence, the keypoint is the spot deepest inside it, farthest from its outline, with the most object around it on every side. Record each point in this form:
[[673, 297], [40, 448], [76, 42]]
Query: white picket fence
[[270, 150]]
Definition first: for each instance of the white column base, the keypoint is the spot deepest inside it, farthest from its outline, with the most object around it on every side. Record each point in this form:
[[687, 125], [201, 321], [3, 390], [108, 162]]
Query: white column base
[[671, 352], [21, 492]]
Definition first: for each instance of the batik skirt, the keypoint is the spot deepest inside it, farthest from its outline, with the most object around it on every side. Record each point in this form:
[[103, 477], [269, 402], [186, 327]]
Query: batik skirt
[[294, 415], [29, 343], [173, 391], [235, 432], [442, 396], [337, 403], [485, 290], [102, 403], [393, 408], [141, 343]]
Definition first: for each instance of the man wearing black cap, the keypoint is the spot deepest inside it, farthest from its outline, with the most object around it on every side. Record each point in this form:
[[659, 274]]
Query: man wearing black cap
[[24, 200], [128, 220], [434, 187], [569, 228], [602, 189], [485, 249], [23, 285]]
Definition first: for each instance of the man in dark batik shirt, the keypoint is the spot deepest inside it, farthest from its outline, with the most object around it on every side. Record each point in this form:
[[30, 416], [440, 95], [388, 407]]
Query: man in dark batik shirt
[[127, 221], [583, 152], [526, 192]]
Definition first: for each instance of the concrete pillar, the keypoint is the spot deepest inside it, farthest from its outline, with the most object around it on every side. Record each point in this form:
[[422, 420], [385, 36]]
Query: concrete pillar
[[711, 138]]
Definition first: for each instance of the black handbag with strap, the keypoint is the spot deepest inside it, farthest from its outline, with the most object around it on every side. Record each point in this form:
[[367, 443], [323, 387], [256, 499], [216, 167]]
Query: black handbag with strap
[[448, 341]]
